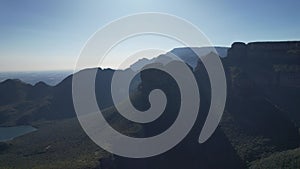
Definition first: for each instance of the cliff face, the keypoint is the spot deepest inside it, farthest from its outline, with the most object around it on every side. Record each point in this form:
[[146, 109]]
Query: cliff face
[[274, 51], [265, 63], [263, 95], [272, 68], [255, 123]]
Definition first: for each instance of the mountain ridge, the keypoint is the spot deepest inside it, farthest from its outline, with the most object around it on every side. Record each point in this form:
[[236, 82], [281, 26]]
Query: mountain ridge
[[256, 124]]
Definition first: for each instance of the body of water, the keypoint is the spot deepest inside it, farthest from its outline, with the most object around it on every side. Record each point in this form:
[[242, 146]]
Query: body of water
[[9, 133]]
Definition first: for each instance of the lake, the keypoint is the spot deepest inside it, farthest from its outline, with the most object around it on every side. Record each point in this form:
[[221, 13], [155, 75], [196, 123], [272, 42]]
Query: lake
[[9, 133]]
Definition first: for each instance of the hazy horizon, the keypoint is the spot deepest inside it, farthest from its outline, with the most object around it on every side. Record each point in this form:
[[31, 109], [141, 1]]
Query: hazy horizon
[[49, 35]]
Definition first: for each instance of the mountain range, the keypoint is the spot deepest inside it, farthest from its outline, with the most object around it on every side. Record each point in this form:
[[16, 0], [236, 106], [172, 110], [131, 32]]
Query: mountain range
[[189, 55], [259, 128]]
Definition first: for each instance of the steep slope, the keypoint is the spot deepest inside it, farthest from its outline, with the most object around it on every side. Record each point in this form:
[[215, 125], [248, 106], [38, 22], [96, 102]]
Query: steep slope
[[261, 106], [284, 160]]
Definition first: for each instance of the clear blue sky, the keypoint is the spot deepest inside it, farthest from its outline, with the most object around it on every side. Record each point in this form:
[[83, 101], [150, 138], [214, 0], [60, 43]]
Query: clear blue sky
[[48, 35]]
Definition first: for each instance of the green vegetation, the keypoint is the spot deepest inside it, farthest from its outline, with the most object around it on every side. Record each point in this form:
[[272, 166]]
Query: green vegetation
[[59, 144], [286, 68], [55, 145], [248, 147], [283, 160], [3, 146]]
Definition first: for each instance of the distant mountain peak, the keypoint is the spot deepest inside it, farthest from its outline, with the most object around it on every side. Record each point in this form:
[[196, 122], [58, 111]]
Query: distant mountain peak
[[41, 84], [190, 55]]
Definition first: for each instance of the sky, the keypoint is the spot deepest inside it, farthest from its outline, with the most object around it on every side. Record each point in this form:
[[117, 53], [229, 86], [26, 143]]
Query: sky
[[49, 35]]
